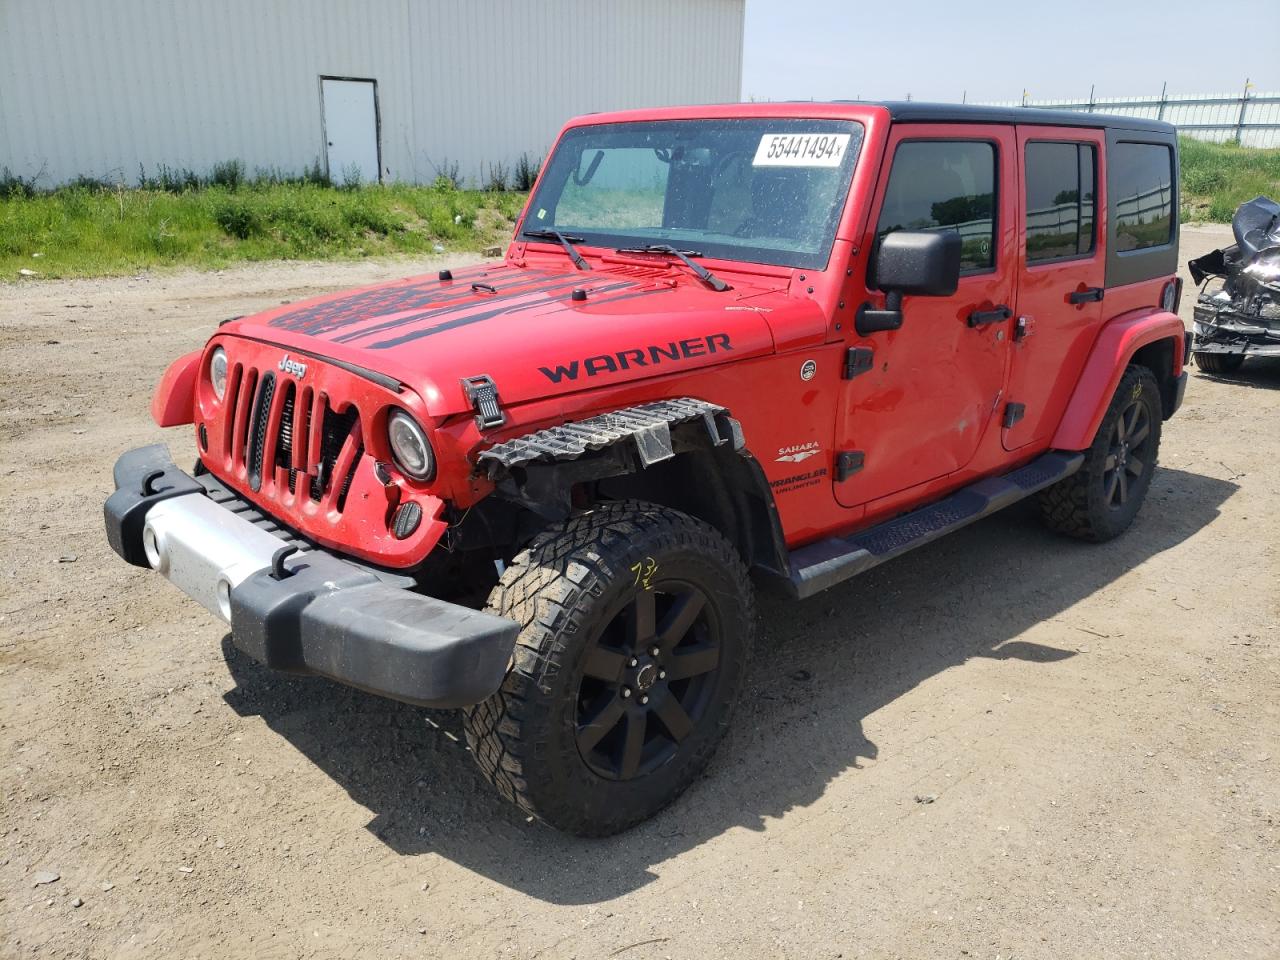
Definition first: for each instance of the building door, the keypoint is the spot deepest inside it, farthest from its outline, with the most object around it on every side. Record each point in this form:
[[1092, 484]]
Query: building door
[[933, 387], [351, 129]]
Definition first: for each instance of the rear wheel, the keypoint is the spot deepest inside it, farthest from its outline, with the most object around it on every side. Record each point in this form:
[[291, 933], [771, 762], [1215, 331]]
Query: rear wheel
[[1099, 501], [636, 629], [1219, 362]]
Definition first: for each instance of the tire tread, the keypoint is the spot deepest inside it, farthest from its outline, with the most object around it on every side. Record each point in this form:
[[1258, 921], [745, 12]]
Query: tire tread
[[539, 590]]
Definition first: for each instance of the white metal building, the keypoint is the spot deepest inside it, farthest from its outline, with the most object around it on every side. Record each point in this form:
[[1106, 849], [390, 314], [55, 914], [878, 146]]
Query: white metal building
[[395, 89]]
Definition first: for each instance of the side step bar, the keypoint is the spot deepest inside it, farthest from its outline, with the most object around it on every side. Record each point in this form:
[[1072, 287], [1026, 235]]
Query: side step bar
[[816, 566]]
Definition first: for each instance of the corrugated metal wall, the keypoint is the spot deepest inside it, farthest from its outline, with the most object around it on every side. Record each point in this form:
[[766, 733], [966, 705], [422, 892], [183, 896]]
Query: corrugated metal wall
[[98, 88]]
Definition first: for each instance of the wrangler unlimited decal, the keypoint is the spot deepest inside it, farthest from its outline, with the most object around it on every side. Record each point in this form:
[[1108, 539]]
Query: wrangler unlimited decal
[[649, 356]]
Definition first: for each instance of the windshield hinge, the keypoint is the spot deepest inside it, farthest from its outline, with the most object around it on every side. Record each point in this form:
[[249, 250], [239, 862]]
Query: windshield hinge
[[857, 360], [482, 393]]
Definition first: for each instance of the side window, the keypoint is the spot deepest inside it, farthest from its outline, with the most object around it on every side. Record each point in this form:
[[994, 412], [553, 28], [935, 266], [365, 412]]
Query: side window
[[1060, 200], [1141, 183], [945, 185]]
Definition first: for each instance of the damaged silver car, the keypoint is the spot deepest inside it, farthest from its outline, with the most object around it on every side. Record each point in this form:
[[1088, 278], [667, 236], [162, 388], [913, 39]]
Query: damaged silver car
[[1241, 317]]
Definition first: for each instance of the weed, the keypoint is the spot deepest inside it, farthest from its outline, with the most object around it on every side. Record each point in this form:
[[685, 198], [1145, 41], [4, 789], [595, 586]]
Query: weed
[[13, 186], [447, 175], [229, 174], [495, 180], [526, 173]]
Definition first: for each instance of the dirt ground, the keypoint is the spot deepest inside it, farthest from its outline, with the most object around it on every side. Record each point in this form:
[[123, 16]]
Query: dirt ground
[[1100, 726]]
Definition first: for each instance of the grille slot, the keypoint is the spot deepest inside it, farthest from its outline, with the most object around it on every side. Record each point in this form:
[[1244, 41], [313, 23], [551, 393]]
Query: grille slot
[[243, 411], [258, 433], [333, 433], [285, 435], [351, 475]]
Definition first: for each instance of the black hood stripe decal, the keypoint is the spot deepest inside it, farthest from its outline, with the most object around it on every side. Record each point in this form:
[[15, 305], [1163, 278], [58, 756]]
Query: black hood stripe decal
[[508, 311], [335, 314], [474, 302], [313, 318]]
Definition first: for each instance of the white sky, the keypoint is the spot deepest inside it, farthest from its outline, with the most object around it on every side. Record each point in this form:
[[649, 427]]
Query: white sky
[[943, 49]]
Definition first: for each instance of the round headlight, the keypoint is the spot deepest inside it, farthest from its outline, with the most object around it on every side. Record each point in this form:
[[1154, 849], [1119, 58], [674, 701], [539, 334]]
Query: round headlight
[[218, 371], [409, 446]]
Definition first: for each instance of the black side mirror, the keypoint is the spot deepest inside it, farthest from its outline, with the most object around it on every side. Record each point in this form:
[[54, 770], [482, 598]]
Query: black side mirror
[[918, 262]]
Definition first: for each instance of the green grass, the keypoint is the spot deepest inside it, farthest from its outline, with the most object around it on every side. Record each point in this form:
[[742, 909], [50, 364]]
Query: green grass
[[92, 230], [1218, 177]]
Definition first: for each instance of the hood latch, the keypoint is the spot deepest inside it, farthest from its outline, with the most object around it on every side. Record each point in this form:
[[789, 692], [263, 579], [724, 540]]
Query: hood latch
[[482, 393]]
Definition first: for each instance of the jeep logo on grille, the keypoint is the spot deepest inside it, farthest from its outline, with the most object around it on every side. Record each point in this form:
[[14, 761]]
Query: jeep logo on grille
[[299, 370]]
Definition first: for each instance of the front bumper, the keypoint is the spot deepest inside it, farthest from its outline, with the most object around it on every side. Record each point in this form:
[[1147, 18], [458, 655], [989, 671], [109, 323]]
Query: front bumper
[[302, 611], [1219, 330]]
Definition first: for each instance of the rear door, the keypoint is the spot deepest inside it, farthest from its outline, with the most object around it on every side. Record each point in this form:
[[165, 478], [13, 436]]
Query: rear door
[[932, 387], [1059, 302]]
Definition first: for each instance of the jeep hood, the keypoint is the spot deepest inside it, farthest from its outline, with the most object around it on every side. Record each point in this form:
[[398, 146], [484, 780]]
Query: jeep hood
[[530, 331]]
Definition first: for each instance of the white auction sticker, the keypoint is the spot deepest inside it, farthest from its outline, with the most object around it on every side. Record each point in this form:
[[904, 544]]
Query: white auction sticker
[[801, 150]]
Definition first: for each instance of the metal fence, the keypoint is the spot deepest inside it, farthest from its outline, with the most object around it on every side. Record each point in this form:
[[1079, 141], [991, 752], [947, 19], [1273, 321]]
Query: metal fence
[[1251, 118]]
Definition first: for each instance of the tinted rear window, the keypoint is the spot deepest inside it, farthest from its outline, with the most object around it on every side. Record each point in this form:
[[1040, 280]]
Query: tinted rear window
[[1141, 181], [1060, 200]]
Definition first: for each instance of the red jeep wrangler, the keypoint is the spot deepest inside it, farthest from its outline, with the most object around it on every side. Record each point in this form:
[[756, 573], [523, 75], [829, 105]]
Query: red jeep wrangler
[[786, 340]]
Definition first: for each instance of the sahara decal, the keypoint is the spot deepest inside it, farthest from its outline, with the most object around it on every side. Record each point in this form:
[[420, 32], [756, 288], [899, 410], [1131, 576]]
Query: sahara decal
[[798, 452], [648, 356]]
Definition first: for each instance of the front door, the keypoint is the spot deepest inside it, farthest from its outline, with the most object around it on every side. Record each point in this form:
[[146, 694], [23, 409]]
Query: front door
[[1059, 302], [934, 386], [351, 130]]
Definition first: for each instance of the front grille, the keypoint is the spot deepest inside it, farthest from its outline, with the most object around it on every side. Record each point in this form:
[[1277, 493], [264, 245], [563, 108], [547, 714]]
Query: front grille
[[287, 441]]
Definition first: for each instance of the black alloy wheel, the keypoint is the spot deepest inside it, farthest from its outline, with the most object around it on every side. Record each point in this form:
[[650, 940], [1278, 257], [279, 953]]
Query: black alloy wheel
[[1129, 455], [647, 680]]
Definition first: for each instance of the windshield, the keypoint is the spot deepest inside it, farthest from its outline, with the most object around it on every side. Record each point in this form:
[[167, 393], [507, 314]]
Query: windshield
[[758, 190]]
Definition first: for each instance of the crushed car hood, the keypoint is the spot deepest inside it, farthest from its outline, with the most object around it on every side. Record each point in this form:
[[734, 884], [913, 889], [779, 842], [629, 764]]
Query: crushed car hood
[[530, 330], [1256, 226]]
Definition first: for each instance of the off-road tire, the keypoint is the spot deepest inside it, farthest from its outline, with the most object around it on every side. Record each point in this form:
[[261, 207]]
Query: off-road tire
[[1219, 363], [1083, 505], [565, 589]]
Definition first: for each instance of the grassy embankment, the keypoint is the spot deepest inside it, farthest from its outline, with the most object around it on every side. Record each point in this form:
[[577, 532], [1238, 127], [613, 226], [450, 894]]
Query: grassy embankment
[[98, 230], [95, 229], [1218, 177]]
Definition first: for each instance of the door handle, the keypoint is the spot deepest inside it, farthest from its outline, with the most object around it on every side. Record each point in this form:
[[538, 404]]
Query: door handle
[[980, 318], [1089, 295]]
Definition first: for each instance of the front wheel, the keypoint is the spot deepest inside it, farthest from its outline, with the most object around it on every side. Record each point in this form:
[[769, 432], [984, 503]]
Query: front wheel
[[1100, 500], [636, 629]]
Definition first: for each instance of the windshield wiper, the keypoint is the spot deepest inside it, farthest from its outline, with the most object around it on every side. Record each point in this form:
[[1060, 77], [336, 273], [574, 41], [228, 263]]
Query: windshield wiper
[[702, 273], [542, 233]]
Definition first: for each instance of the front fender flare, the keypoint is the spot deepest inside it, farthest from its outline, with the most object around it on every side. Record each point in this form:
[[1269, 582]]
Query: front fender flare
[[1114, 349], [724, 484], [173, 403]]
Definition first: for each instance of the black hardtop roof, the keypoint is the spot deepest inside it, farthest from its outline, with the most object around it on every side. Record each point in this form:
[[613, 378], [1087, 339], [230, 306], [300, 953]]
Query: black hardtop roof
[[918, 112]]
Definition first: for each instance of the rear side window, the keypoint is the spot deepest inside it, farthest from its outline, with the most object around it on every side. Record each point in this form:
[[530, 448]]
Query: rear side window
[[1141, 182], [945, 185], [1060, 200]]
